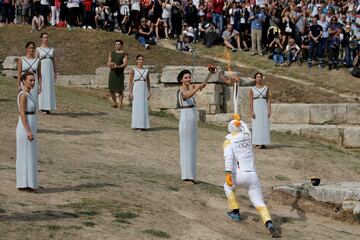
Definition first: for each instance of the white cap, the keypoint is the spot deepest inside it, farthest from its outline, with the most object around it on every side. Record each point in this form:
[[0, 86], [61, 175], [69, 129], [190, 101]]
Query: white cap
[[234, 126]]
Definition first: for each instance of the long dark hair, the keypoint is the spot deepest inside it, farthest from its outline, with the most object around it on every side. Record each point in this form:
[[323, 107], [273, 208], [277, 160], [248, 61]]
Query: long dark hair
[[181, 74], [262, 75], [29, 43], [25, 75]]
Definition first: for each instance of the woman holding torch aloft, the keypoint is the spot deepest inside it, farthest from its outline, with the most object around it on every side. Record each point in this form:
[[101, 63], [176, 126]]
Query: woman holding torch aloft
[[188, 125]]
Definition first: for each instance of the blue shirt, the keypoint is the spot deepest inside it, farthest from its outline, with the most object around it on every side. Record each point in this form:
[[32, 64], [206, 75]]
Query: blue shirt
[[257, 22]]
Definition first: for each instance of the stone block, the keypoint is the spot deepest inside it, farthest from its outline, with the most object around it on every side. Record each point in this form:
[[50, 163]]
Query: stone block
[[290, 113], [10, 73], [351, 137], [219, 119], [348, 205], [10, 63], [247, 81], [336, 193], [356, 210], [103, 71], [353, 113], [328, 113], [329, 133], [286, 128], [332, 193], [100, 80], [106, 70], [170, 73], [75, 80], [163, 98], [210, 98]]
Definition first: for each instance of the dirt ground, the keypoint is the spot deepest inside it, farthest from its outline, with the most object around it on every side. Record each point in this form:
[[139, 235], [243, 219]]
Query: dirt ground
[[101, 180]]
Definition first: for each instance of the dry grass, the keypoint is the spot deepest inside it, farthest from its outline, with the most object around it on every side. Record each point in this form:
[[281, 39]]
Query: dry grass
[[341, 81], [81, 52]]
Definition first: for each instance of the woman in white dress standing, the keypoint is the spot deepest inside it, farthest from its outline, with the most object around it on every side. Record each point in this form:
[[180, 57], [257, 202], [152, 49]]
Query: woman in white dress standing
[[47, 100], [260, 107], [139, 93], [26, 142], [188, 126], [29, 63]]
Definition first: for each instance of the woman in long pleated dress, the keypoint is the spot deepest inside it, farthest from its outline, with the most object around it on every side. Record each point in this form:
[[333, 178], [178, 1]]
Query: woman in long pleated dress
[[47, 99], [260, 107], [26, 140], [139, 93], [29, 63], [188, 126]]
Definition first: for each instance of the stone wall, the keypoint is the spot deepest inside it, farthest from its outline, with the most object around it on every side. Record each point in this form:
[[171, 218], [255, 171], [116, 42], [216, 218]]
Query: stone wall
[[319, 114]]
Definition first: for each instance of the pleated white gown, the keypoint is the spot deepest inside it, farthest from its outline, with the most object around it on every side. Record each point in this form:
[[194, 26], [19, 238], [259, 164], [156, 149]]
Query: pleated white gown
[[47, 100], [260, 125], [140, 110], [188, 140], [31, 65], [26, 150]]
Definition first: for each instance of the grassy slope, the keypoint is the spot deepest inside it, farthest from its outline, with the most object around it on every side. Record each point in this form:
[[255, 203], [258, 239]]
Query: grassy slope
[[81, 52]]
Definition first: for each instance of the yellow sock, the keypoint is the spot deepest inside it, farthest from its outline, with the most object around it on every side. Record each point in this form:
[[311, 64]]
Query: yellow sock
[[232, 201], [264, 213]]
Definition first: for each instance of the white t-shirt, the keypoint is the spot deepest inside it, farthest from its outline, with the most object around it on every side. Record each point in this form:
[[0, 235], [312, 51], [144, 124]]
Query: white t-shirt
[[166, 11], [44, 2], [135, 5]]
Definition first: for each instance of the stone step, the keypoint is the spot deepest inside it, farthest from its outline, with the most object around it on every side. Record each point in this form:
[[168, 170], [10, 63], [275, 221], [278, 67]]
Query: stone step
[[343, 135], [345, 193]]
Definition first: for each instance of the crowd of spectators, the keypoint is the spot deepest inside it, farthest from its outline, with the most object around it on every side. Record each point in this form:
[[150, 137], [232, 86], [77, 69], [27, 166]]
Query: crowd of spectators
[[303, 31]]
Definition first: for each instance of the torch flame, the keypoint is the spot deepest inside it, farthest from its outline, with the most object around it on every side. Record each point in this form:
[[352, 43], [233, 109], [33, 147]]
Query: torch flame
[[227, 56]]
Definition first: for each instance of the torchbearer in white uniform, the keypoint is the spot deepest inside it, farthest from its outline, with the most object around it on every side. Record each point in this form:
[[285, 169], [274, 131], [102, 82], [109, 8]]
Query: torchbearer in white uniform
[[240, 172]]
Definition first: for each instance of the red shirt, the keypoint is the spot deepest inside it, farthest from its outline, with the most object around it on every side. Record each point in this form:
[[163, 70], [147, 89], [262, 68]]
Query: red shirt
[[218, 6]]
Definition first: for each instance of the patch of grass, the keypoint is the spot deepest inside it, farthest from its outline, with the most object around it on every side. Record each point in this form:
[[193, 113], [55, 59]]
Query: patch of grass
[[122, 221], [210, 188], [160, 113], [126, 215], [157, 233], [2, 210], [89, 224], [282, 178], [53, 227], [173, 188], [355, 168], [88, 212], [357, 217]]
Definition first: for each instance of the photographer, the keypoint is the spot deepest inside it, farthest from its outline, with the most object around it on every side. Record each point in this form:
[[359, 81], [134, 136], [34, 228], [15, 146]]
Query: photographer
[[210, 34], [277, 51]]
